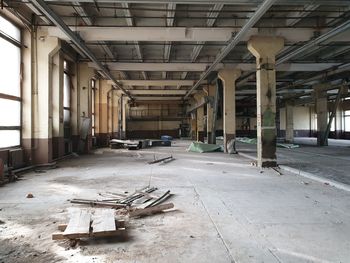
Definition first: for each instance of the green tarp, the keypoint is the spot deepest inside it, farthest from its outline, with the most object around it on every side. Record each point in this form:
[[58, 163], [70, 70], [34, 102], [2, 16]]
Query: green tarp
[[281, 145], [200, 147]]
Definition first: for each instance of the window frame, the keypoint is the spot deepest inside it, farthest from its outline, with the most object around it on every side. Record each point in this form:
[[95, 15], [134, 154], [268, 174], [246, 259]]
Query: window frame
[[18, 44]]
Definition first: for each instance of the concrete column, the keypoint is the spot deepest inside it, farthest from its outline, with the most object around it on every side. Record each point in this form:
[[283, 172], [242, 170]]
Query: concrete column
[[47, 48], [210, 112], [229, 77], [102, 135], [322, 113], [193, 126], [57, 106], [200, 117], [289, 123], [84, 86], [115, 115], [124, 116], [265, 50]]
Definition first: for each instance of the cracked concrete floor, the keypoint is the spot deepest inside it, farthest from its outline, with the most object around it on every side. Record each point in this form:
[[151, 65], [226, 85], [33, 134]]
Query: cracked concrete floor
[[226, 211]]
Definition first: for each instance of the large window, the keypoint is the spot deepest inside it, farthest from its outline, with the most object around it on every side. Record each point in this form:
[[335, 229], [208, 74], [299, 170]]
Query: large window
[[347, 120], [93, 97], [66, 101], [10, 85]]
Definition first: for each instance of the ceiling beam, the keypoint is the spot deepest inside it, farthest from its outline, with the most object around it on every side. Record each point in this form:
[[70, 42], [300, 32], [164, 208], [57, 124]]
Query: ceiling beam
[[160, 83], [199, 67], [171, 7], [158, 92], [227, 2], [54, 18], [130, 23], [183, 34], [300, 14]]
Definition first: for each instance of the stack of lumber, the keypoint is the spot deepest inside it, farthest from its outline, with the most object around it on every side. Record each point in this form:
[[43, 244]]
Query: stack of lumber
[[145, 201]]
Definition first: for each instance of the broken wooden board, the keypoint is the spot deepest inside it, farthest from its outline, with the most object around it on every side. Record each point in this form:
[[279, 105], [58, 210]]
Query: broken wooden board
[[150, 210], [78, 225], [103, 221], [103, 224], [97, 203]]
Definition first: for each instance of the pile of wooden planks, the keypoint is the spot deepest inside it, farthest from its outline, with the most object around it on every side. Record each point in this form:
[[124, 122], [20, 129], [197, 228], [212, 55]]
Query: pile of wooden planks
[[86, 224], [145, 201]]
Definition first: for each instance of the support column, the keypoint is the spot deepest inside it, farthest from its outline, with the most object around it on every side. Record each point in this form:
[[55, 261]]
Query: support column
[[84, 86], [265, 50], [289, 123], [124, 115], [102, 135], [210, 113], [200, 117], [322, 113], [229, 77], [47, 48], [193, 126]]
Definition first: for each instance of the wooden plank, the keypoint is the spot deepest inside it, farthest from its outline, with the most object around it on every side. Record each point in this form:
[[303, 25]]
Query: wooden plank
[[103, 221], [97, 203], [118, 223], [78, 225], [151, 210]]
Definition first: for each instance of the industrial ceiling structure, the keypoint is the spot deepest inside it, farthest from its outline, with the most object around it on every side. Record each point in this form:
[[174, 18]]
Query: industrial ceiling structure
[[167, 50]]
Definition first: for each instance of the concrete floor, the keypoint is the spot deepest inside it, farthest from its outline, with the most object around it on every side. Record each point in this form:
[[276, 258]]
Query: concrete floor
[[227, 211], [329, 162]]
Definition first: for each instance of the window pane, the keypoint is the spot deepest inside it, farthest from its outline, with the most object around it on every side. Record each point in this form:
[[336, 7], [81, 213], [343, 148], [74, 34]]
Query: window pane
[[10, 113], [347, 123], [9, 138], [66, 91], [66, 117], [10, 56], [9, 29]]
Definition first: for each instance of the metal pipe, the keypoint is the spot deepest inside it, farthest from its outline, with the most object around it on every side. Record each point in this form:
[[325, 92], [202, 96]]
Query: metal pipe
[[44, 8], [234, 41], [331, 33]]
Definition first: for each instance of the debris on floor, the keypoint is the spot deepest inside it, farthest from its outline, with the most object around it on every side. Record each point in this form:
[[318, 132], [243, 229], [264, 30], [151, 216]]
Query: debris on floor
[[138, 144], [278, 144], [30, 195], [140, 201], [200, 147], [87, 224], [163, 160], [166, 138]]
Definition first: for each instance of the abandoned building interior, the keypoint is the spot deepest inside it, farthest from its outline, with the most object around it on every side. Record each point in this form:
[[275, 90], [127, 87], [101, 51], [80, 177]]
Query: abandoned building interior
[[175, 131]]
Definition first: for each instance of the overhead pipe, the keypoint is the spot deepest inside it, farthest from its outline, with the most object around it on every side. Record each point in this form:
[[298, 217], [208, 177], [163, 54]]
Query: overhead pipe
[[44, 8], [324, 37], [234, 41]]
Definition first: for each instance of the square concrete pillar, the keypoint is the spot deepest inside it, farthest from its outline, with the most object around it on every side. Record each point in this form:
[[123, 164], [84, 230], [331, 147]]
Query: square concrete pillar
[[265, 49], [199, 97], [289, 122], [229, 77], [210, 113], [193, 126], [321, 102]]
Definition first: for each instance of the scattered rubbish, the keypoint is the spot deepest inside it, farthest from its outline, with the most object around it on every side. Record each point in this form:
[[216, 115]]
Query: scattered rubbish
[[137, 144], [201, 147], [30, 195], [254, 141], [39, 171], [160, 143], [326, 183], [150, 210], [306, 183], [2, 222], [85, 224], [164, 160], [140, 199], [277, 170], [166, 138]]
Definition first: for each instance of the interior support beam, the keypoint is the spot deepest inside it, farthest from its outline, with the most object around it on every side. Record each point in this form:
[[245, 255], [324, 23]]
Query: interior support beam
[[43, 7], [161, 83], [183, 34], [265, 50], [135, 66]]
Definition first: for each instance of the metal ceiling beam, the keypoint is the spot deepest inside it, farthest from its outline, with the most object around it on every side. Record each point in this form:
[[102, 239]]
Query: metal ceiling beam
[[183, 34], [161, 82], [234, 41], [227, 2], [324, 37], [212, 15], [130, 23], [199, 67], [171, 7], [300, 14], [54, 18]]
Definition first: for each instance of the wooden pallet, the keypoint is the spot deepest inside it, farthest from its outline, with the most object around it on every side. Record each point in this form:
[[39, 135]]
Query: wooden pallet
[[83, 224]]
